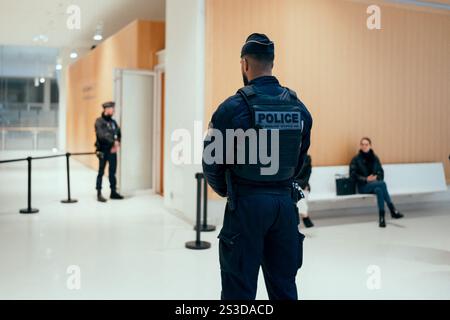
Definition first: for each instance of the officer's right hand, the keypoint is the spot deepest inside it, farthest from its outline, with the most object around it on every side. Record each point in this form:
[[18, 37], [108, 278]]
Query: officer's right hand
[[116, 147]]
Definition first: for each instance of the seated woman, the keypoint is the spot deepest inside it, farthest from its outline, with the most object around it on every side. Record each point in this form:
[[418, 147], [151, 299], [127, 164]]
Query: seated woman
[[368, 173]]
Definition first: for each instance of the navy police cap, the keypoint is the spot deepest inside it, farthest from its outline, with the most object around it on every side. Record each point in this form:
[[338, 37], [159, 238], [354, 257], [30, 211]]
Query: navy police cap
[[258, 43], [109, 104]]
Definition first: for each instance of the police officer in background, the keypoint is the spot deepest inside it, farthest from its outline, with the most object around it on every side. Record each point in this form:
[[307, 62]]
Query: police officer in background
[[108, 143], [260, 225]]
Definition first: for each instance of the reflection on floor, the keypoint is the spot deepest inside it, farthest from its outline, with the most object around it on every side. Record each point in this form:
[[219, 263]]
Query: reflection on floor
[[134, 249]]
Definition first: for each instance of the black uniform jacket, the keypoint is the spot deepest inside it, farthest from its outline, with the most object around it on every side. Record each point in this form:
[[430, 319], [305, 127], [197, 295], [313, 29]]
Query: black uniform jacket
[[107, 132], [234, 113]]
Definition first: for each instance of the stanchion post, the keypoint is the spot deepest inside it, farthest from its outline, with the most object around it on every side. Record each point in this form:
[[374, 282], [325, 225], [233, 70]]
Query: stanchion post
[[29, 210], [198, 244], [69, 199], [205, 227]]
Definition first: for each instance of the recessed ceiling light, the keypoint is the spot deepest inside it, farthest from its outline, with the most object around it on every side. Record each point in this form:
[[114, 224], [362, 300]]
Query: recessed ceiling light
[[40, 38], [58, 66], [98, 37], [74, 55], [42, 80]]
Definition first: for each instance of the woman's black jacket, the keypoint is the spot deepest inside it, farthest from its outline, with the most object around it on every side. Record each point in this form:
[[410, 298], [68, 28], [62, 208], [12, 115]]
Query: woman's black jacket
[[363, 166]]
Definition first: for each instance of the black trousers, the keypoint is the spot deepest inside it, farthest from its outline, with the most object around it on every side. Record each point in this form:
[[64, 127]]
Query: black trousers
[[111, 159], [261, 232]]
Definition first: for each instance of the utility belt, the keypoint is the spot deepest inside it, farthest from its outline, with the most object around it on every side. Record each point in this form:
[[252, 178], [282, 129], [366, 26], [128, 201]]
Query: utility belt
[[246, 190], [101, 151], [236, 190]]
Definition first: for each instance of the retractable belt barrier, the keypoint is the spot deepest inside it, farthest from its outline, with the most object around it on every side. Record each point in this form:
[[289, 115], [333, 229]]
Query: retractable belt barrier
[[199, 227], [29, 209]]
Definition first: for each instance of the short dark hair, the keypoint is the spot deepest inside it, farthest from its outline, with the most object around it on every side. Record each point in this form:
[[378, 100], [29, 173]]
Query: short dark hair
[[262, 61], [367, 139]]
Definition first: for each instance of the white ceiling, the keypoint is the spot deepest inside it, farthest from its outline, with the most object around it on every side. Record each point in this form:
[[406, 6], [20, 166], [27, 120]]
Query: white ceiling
[[21, 20]]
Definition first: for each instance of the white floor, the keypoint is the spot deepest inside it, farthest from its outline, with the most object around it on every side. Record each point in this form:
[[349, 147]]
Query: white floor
[[134, 249]]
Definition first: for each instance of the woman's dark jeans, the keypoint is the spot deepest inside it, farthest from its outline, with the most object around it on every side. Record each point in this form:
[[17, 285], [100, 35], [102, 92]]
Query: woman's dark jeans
[[380, 189]]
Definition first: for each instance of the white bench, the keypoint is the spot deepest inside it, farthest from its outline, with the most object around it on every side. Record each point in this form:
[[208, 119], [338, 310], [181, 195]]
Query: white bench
[[401, 179]]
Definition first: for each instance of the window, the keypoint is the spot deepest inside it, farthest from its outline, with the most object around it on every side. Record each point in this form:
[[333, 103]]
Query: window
[[34, 94], [54, 92]]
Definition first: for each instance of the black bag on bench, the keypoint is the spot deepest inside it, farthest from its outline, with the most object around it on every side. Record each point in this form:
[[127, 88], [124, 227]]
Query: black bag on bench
[[345, 186]]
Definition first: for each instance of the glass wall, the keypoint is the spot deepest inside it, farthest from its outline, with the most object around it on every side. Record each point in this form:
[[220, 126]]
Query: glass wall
[[28, 103]]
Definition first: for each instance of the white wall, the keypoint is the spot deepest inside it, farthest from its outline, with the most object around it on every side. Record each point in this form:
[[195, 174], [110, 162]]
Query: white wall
[[185, 45]]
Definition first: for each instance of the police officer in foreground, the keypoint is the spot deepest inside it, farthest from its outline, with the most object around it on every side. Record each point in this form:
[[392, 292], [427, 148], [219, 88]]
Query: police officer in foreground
[[108, 143], [261, 222]]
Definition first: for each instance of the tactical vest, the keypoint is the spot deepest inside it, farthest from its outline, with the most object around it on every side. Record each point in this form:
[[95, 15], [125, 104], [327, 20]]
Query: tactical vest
[[272, 113]]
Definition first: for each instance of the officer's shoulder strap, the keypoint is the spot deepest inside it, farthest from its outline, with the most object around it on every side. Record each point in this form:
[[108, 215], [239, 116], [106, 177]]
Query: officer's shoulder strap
[[247, 93], [292, 93]]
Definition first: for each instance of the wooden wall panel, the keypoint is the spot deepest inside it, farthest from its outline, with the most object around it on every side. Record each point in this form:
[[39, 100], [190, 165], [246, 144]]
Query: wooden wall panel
[[151, 40], [392, 85], [90, 79]]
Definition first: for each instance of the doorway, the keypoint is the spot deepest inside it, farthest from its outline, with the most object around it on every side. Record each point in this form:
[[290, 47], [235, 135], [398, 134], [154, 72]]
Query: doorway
[[134, 92]]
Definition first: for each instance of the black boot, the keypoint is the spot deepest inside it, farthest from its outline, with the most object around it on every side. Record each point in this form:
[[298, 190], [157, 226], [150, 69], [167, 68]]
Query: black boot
[[395, 214], [100, 197], [382, 221], [307, 222], [115, 195]]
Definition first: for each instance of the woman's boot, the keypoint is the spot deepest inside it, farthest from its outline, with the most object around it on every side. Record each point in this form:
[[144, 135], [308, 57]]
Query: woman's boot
[[382, 221], [394, 212]]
